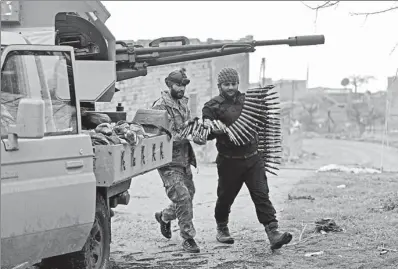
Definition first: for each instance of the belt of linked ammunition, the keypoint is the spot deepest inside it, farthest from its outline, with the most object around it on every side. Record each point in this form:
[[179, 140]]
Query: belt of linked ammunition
[[259, 118]]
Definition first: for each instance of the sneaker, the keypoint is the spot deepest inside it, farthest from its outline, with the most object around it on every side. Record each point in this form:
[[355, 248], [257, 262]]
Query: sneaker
[[165, 228], [190, 245]]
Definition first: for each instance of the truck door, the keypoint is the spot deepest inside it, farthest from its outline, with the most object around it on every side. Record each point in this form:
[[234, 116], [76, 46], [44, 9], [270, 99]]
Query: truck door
[[48, 187]]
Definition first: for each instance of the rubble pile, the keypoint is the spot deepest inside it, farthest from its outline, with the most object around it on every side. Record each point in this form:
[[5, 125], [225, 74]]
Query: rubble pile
[[345, 169], [327, 225]]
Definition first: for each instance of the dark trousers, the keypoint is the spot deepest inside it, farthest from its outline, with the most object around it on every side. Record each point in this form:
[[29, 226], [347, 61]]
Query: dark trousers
[[232, 174]]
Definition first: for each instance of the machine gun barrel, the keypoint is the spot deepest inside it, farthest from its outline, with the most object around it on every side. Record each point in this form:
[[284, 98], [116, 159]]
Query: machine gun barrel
[[291, 41], [196, 56], [305, 40]]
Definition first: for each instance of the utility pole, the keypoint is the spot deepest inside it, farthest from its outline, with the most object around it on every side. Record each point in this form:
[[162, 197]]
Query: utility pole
[[293, 96], [262, 73]]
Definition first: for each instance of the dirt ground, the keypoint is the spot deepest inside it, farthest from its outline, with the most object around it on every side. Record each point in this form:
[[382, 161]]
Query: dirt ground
[[137, 242], [365, 233]]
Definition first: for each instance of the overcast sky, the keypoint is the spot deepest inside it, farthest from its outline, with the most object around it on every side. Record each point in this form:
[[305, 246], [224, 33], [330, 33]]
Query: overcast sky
[[353, 45]]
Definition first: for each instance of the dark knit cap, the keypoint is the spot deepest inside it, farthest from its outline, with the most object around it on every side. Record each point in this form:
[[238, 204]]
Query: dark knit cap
[[178, 76], [228, 74]]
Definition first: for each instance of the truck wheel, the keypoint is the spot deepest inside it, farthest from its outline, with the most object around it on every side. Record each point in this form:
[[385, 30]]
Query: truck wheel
[[95, 253]]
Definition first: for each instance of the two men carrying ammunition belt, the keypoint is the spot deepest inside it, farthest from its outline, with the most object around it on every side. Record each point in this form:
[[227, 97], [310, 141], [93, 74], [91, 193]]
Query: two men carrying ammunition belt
[[239, 160]]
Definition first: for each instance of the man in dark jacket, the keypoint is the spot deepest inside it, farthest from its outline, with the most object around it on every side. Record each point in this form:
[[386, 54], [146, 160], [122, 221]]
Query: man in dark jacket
[[238, 164], [177, 176]]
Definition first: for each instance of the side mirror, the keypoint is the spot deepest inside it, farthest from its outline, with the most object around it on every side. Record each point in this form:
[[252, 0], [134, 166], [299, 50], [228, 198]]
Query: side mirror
[[30, 122]]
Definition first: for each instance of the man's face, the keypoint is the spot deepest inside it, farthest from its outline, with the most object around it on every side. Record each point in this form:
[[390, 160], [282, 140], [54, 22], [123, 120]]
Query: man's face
[[229, 89], [177, 91]]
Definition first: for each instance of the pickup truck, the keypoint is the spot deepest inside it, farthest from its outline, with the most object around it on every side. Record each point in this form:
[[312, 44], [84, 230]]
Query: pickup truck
[[57, 189]]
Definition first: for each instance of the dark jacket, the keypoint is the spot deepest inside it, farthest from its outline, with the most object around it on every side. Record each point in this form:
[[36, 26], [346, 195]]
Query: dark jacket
[[227, 111]]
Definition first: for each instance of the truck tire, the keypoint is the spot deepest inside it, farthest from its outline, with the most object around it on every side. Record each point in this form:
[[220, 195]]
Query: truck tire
[[95, 253]]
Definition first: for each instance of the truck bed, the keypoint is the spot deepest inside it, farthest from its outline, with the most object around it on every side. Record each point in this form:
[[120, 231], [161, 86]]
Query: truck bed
[[117, 163]]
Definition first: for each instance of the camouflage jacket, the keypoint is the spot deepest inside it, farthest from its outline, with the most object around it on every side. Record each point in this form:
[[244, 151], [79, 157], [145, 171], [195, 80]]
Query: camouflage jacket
[[179, 113]]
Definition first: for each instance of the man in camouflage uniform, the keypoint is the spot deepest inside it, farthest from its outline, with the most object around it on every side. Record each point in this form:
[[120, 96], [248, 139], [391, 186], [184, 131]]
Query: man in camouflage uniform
[[177, 176], [238, 164]]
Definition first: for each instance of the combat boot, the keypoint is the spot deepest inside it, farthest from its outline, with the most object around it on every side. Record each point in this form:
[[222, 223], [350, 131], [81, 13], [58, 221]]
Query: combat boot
[[223, 235], [165, 227], [190, 245], [276, 238]]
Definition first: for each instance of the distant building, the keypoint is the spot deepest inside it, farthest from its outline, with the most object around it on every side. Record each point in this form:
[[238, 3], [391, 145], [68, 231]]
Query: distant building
[[337, 96], [288, 90]]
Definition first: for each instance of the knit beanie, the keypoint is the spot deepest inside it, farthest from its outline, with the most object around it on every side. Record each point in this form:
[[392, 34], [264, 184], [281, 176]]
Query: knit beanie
[[228, 74]]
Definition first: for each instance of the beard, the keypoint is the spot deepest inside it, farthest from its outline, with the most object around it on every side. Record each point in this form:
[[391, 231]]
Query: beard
[[177, 94], [229, 94]]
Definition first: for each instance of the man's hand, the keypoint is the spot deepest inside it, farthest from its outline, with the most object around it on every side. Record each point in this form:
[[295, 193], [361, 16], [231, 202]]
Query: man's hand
[[217, 131], [199, 140], [188, 122], [177, 137], [208, 124]]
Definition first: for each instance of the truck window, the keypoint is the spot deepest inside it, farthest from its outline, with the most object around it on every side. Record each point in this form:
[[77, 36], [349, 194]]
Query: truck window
[[39, 74]]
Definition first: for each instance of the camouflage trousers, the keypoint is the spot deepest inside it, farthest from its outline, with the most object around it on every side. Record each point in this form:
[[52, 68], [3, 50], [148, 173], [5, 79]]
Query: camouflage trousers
[[180, 188]]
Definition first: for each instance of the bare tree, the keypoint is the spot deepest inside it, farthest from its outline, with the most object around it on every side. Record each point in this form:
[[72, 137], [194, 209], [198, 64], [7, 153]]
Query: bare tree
[[356, 113], [357, 81], [328, 4], [374, 12], [365, 115], [325, 4], [310, 104]]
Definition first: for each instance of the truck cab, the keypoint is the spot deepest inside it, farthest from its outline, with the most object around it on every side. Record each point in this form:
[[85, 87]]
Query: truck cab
[[47, 180]]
